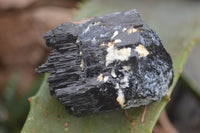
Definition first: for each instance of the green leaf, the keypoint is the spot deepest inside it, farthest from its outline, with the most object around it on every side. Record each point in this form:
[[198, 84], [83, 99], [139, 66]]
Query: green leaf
[[178, 26], [191, 71]]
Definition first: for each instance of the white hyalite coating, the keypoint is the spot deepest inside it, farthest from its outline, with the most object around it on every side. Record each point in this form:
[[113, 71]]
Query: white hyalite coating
[[141, 50], [115, 54], [82, 64], [102, 78], [120, 98], [113, 73], [105, 79], [131, 30], [126, 68], [123, 83], [114, 34]]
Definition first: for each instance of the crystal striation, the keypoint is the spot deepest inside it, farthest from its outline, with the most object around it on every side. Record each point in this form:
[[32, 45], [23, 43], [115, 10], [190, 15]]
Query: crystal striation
[[107, 63]]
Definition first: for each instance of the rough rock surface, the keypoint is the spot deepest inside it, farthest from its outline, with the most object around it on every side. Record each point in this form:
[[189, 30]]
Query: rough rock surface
[[107, 63]]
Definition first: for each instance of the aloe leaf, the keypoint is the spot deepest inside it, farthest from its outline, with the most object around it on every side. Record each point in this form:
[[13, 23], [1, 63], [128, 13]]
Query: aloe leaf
[[178, 26]]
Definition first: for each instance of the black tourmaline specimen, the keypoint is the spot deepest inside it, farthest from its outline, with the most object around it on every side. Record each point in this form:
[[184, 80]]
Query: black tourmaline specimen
[[107, 63]]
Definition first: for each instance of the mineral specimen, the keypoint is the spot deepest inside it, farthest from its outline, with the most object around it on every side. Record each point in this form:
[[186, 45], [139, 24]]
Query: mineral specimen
[[107, 63]]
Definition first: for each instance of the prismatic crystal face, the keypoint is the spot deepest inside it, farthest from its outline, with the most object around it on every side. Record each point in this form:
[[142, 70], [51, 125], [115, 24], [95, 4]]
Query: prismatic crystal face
[[107, 63]]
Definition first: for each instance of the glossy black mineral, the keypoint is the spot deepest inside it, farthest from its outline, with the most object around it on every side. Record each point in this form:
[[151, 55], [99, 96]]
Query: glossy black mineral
[[107, 63]]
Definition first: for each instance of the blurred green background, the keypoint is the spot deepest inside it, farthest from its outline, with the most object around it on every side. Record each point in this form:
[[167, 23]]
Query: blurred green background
[[22, 26]]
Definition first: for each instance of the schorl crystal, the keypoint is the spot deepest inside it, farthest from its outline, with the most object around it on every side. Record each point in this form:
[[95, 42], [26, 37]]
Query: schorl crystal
[[107, 63]]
